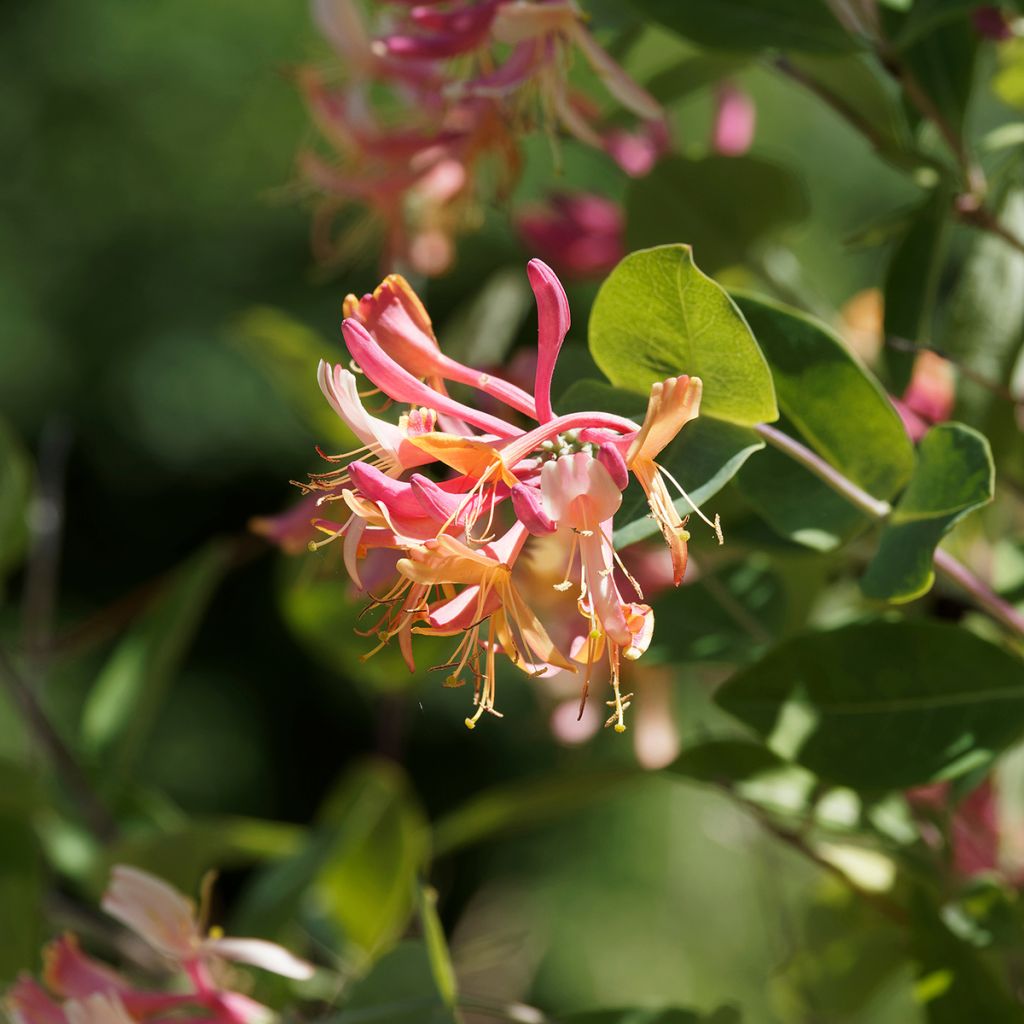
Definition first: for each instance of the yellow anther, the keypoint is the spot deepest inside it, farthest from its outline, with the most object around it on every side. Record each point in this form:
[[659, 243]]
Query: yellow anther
[[620, 727], [470, 723], [216, 932]]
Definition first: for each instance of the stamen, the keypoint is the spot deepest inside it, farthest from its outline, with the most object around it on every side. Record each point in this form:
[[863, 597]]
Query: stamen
[[716, 525]]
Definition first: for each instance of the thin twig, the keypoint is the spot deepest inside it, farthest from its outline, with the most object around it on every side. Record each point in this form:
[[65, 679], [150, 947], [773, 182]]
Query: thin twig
[[46, 523], [93, 810], [983, 595]]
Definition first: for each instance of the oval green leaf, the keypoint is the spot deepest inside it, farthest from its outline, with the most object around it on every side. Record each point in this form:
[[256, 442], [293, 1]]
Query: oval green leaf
[[954, 476], [883, 705], [658, 316]]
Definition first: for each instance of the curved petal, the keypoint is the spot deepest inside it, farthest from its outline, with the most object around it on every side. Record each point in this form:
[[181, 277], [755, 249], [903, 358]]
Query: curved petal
[[553, 321], [259, 953]]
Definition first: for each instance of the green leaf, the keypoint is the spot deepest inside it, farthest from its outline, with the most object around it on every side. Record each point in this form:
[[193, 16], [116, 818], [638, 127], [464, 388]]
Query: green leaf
[[941, 62], [870, 97], [21, 873], [838, 409], [15, 492], [287, 352], [357, 873], [124, 702], [986, 313], [726, 762], [705, 456], [401, 989], [522, 805], [437, 946], [183, 855], [883, 705], [926, 15], [954, 476], [658, 316], [752, 25], [912, 282], [1008, 84], [695, 201], [692, 74]]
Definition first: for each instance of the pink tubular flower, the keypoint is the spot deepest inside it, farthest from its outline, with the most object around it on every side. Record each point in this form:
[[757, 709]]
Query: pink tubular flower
[[409, 117], [491, 483], [581, 234], [82, 990]]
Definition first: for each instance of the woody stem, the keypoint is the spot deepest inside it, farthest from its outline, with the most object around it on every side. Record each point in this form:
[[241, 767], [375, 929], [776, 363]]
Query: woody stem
[[879, 510]]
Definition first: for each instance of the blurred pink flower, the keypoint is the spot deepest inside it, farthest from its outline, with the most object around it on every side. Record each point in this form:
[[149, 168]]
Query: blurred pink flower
[[929, 397], [735, 120], [991, 23], [580, 234], [409, 117]]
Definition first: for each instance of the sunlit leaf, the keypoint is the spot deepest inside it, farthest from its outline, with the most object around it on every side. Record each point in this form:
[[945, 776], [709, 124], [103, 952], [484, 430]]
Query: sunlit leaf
[[437, 946], [838, 409], [658, 316], [883, 705], [954, 476]]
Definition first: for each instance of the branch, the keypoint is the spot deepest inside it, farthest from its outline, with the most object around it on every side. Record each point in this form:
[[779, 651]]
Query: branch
[[95, 813], [878, 510]]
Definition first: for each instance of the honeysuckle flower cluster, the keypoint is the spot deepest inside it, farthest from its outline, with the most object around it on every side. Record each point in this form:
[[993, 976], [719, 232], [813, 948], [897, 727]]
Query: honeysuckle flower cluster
[[453, 497], [423, 114], [78, 989]]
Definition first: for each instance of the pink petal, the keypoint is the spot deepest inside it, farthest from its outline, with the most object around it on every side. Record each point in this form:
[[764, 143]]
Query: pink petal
[[529, 509], [259, 953], [735, 120], [553, 322], [401, 386]]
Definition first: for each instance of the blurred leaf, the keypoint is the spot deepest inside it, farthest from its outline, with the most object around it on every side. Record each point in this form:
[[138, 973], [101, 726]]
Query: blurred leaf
[[15, 492], [954, 476], [288, 352], [860, 85], [941, 64], [954, 982], [839, 410], [726, 762], [357, 873], [401, 989], [986, 313], [721, 616], [21, 873], [926, 15], [704, 457], [658, 316], [522, 805], [323, 610], [124, 702], [720, 206], [723, 1015], [481, 332], [1008, 83], [753, 25], [437, 946], [883, 705], [912, 282], [183, 855], [692, 74]]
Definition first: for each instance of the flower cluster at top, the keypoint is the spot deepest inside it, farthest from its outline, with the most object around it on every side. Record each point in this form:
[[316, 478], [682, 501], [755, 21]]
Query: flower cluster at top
[[423, 115], [443, 507], [81, 990]]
